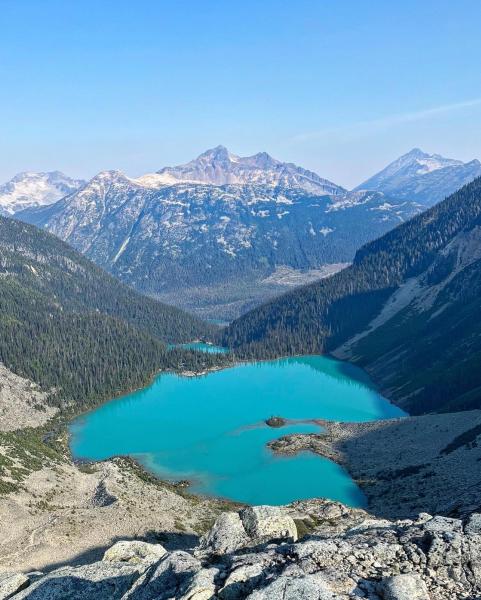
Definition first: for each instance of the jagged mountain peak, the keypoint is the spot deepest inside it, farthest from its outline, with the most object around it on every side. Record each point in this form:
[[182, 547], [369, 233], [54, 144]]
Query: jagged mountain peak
[[218, 166], [219, 153]]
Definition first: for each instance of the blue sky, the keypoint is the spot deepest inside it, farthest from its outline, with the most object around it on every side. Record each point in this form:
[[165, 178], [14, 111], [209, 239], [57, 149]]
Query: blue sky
[[338, 86]]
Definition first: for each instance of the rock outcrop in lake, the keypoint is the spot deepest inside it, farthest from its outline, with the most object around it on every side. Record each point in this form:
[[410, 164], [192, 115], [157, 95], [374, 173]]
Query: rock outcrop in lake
[[316, 550]]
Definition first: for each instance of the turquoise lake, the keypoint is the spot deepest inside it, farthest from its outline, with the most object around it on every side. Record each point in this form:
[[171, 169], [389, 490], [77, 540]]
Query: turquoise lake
[[211, 431]]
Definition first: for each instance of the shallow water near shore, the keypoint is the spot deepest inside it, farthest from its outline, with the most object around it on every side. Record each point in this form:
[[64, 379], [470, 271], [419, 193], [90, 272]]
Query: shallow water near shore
[[210, 430]]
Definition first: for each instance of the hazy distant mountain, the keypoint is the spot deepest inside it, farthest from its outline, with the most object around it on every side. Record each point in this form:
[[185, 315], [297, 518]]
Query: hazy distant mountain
[[202, 245], [220, 167], [425, 178], [30, 190]]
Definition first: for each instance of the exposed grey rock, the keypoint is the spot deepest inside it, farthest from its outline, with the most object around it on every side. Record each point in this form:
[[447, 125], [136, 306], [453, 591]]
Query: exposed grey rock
[[404, 587], [444, 525], [401, 463], [11, 583], [98, 580], [177, 575], [201, 586], [227, 534], [346, 556], [242, 580], [268, 522], [310, 587], [473, 524], [134, 552]]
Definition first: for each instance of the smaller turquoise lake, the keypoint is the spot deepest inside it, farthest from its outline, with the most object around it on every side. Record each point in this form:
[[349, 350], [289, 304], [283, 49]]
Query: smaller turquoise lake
[[211, 431]]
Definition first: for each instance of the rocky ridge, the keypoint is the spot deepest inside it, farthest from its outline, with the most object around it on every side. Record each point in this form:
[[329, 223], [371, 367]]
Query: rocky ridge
[[316, 550]]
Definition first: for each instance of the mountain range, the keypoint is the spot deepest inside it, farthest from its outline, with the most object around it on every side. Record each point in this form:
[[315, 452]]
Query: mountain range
[[407, 310], [221, 233]]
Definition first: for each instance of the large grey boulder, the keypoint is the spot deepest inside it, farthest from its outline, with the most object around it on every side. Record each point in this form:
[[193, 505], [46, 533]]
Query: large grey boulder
[[11, 583], [201, 586], [107, 581], [134, 552], [265, 523], [309, 587], [408, 586], [178, 575], [226, 535]]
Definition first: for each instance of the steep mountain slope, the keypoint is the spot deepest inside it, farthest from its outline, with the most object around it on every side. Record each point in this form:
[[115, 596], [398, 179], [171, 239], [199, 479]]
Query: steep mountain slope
[[68, 326], [31, 190], [217, 244], [407, 310], [425, 178]]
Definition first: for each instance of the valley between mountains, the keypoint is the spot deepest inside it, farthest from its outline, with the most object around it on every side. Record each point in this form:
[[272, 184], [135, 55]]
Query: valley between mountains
[[386, 277]]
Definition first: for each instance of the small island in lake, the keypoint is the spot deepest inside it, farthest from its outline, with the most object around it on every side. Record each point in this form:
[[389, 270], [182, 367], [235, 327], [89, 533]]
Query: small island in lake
[[276, 421]]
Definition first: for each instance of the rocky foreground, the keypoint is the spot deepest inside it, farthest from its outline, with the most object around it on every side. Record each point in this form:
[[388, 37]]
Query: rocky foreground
[[312, 550]]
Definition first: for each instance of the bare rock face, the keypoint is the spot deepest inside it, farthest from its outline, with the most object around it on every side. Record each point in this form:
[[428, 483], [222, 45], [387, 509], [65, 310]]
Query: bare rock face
[[227, 535], [404, 587], [11, 583], [343, 554], [268, 522], [177, 575], [309, 587], [99, 580]]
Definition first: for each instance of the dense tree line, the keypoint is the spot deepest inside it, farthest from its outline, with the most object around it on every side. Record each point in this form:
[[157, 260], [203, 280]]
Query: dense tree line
[[76, 331], [320, 316]]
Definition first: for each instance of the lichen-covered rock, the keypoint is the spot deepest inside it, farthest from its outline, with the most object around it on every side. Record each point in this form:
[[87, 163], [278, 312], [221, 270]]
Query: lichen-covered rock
[[404, 587], [95, 581], [444, 525], [134, 552], [177, 575], [253, 556], [11, 583], [268, 523], [309, 587], [201, 586], [227, 535]]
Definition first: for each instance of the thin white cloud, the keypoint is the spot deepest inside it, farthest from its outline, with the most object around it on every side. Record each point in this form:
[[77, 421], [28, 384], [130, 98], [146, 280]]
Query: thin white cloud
[[365, 127]]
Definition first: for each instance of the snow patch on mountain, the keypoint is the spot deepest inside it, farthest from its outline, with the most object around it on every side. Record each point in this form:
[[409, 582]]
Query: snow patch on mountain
[[422, 177], [32, 190]]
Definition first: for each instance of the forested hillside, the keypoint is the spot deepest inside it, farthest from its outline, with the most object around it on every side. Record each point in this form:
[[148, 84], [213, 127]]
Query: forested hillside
[[72, 328], [413, 297]]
